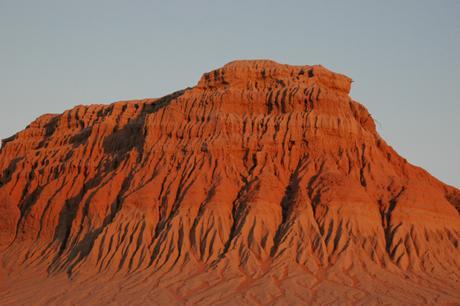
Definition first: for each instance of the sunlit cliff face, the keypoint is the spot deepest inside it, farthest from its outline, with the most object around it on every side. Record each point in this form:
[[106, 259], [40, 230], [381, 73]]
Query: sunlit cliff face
[[262, 178]]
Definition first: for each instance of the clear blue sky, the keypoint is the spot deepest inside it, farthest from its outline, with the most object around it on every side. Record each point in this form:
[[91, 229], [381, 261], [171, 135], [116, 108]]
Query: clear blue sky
[[403, 55]]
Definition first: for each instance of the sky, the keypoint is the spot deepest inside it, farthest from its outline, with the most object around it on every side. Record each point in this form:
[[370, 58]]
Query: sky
[[404, 58]]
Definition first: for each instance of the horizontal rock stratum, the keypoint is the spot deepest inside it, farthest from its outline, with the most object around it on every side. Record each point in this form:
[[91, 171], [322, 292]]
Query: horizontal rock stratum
[[263, 184]]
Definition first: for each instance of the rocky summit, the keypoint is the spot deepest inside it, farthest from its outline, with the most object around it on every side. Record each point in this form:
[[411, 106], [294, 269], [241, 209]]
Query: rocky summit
[[264, 184]]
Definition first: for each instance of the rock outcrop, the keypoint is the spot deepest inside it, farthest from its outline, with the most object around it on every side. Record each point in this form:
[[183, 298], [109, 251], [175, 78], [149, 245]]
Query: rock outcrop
[[263, 184]]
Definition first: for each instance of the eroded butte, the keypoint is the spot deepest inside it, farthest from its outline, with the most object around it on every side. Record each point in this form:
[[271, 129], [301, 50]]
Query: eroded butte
[[263, 184]]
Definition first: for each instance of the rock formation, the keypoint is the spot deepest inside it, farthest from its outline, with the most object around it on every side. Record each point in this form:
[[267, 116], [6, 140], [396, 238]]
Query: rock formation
[[263, 184]]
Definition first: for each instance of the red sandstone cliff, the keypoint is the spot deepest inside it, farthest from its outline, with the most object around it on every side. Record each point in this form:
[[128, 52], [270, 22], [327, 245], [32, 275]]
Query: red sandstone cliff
[[263, 184]]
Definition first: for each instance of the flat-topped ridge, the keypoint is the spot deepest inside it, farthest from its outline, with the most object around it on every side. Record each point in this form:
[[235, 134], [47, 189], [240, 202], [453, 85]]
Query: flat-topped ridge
[[268, 73]]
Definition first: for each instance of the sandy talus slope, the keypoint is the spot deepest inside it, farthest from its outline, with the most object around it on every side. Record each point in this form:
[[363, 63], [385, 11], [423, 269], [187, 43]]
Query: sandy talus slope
[[263, 184]]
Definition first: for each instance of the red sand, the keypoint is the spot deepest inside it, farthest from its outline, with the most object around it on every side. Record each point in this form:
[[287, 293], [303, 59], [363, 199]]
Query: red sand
[[263, 184]]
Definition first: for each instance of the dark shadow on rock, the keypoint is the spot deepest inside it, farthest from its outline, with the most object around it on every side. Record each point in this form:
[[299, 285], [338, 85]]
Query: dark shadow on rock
[[50, 128], [8, 139], [66, 218], [132, 135], [81, 137], [8, 172], [453, 196], [80, 250]]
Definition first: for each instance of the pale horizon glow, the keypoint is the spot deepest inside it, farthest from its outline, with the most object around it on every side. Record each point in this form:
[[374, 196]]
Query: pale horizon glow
[[402, 55]]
